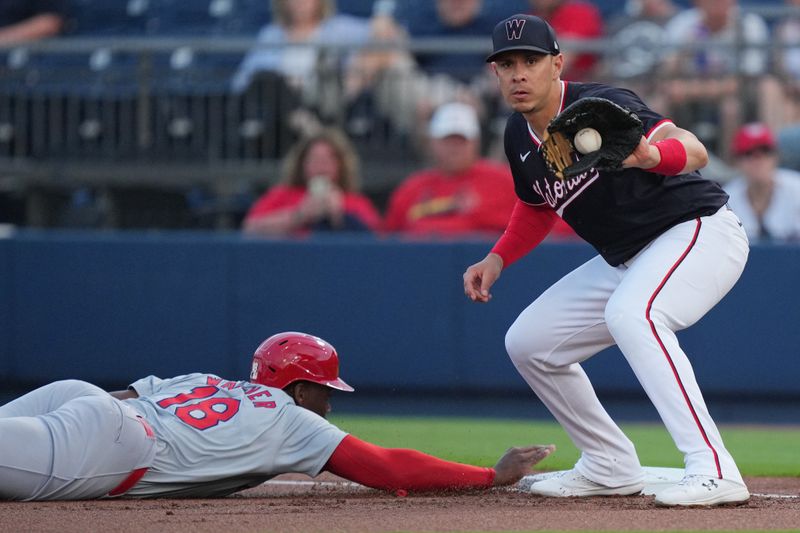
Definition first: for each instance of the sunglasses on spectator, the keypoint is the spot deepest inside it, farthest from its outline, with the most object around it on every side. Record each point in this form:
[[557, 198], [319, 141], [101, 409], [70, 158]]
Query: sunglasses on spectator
[[759, 151]]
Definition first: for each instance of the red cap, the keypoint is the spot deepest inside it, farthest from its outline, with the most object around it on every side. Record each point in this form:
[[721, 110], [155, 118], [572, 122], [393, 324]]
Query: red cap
[[753, 135]]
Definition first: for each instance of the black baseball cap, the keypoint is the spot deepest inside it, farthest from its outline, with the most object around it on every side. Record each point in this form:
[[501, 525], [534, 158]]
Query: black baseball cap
[[523, 32]]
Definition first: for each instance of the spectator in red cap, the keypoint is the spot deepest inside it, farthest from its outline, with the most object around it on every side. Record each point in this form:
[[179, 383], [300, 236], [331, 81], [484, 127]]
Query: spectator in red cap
[[766, 197]]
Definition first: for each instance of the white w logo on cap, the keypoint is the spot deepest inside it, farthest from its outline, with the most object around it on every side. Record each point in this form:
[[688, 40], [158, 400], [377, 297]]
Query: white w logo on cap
[[514, 28]]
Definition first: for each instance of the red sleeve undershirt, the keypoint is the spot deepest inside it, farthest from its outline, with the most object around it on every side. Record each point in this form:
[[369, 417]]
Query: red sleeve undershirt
[[526, 228], [395, 468]]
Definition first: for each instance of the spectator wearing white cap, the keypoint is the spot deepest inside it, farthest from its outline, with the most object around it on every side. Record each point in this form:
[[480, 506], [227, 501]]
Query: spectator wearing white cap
[[766, 197], [461, 193]]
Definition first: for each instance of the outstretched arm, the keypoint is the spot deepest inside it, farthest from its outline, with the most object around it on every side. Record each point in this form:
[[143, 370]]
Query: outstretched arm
[[527, 227], [671, 151], [395, 468]]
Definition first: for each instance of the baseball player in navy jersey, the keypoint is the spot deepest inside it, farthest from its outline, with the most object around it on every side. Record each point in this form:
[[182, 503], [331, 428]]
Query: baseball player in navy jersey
[[202, 436], [669, 250]]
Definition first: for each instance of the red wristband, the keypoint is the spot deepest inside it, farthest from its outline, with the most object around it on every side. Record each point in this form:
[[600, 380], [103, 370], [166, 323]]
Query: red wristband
[[673, 157]]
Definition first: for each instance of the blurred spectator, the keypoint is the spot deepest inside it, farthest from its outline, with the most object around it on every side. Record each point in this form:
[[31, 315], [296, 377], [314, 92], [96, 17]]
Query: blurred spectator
[[449, 19], [289, 45], [319, 191], [637, 36], [658, 12], [766, 198], [449, 75], [390, 89], [788, 141], [29, 20], [782, 95], [377, 80], [300, 45], [461, 193], [573, 20], [788, 33], [703, 68]]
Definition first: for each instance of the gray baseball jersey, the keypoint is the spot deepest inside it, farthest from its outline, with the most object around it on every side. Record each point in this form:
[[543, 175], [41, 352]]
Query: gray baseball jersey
[[215, 437]]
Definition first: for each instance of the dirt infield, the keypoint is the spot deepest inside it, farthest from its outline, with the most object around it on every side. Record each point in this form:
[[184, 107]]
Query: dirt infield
[[293, 504]]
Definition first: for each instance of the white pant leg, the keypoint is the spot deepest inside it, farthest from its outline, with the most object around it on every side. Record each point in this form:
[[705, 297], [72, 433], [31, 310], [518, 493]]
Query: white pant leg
[[668, 287], [566, 325], [83, 447], [49, 398], [26, 457]]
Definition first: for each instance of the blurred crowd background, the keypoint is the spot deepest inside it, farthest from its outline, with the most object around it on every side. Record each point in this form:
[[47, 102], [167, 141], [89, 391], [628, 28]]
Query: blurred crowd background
[[287, 117]]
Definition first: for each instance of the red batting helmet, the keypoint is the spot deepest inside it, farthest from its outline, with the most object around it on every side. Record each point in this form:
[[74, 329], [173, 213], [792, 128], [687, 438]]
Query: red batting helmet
[[292, 356]]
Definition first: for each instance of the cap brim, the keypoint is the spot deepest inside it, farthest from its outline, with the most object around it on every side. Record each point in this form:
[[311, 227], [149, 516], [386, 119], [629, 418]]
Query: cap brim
[[494, 55], [339, 384], [443, 134]]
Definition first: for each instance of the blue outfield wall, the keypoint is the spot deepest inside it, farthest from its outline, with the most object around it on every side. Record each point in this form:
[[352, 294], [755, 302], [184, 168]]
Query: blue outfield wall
[[112, 307]]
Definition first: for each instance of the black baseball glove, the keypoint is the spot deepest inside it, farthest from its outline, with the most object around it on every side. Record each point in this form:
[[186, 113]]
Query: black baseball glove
[[620, 129]]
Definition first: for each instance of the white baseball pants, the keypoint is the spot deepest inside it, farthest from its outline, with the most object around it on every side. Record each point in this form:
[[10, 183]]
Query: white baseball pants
[[638, 306], [69, 440]]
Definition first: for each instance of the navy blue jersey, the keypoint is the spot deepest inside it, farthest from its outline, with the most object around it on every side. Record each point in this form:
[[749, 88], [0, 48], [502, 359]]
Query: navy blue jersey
[[617, 212]]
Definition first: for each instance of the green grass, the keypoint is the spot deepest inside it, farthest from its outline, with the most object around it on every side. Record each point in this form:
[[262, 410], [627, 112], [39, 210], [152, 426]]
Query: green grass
[[759, 451]]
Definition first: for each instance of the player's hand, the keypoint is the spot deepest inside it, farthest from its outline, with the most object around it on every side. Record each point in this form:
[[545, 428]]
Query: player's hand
[[645, 155], [517, 462], [480, 277]]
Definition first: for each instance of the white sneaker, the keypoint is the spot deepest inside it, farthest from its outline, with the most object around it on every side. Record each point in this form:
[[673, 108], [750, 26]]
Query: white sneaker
[[703, 490], [658, 478], [569, 483], [524, 484]]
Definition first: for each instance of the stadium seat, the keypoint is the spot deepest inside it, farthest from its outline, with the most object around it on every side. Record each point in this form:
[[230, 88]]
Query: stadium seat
[[13, 125], [58, 104], [230, 18], [194, 70], [258, 121], [77, 72], [16, 68], [104, 17]]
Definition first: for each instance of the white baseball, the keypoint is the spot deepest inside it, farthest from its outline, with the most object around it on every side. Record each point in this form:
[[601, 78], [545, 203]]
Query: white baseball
[[588, 140]]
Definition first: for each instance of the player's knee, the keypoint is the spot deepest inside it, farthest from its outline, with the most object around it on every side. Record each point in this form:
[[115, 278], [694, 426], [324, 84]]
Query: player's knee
[[622, 318], [521, 344]]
